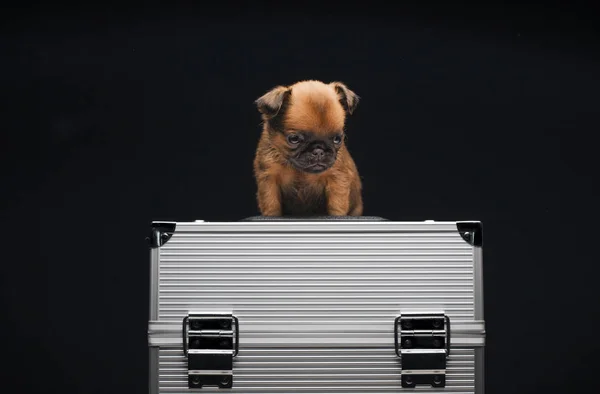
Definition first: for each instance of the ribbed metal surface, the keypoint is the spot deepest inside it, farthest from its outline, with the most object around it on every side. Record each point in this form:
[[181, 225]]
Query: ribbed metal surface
[[315, 277], [316, 371]]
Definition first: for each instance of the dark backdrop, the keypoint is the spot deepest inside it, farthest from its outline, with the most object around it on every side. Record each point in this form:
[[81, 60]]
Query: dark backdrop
[[113, 117]]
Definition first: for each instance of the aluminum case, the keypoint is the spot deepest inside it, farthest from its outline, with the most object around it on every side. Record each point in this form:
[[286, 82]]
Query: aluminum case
[[316, 300]]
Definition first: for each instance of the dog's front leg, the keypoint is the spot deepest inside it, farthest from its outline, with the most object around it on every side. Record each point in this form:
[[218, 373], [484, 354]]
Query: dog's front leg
[[338, 198], [269, 196]]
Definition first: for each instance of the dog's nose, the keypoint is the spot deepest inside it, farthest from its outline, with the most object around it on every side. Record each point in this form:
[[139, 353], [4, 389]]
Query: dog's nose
[[318, 153]]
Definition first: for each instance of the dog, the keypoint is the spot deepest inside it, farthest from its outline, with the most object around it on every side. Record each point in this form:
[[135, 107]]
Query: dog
[[302, 166]]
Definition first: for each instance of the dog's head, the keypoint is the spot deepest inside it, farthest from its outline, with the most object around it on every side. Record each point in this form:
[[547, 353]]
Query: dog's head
[[306, 122]]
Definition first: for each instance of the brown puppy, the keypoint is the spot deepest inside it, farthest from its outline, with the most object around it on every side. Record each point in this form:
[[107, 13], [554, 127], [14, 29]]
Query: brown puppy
[[302, 166]]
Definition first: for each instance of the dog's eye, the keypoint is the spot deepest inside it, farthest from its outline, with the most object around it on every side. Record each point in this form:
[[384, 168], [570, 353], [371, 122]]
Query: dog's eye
[[337, 139], [293, 139]]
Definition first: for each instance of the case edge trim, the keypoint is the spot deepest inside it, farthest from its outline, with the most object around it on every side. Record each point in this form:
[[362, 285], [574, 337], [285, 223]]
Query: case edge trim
[[313, 218]]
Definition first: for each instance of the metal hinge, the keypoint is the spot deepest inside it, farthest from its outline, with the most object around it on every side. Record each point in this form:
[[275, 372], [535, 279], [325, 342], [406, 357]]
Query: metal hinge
[[210, 343], [422, 341]]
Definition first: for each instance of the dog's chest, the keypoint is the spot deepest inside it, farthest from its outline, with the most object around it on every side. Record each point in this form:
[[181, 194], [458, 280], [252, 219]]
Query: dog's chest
[[303, 197]]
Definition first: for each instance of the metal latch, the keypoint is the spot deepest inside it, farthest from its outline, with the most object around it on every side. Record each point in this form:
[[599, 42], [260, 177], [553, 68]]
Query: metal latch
[[209, 344], [422, 341]]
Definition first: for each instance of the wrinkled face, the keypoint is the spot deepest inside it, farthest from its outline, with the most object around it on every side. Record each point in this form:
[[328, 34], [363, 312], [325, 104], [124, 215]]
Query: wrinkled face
[[313, 152], [306, 122]]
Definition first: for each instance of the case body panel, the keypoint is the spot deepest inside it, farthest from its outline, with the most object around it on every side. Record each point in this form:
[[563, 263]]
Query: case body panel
[[316, 302]]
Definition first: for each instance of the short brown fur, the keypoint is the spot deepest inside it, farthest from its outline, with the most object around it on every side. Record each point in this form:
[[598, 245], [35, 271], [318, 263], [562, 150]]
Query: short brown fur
[[321, 109]]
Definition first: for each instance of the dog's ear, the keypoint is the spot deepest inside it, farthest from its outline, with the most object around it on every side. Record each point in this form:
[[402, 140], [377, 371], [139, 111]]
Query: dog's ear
[[271, 103], [348, 98]]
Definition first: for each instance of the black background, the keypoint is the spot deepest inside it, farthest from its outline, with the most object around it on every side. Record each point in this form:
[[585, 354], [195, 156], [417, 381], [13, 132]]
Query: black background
[[112, 117]]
